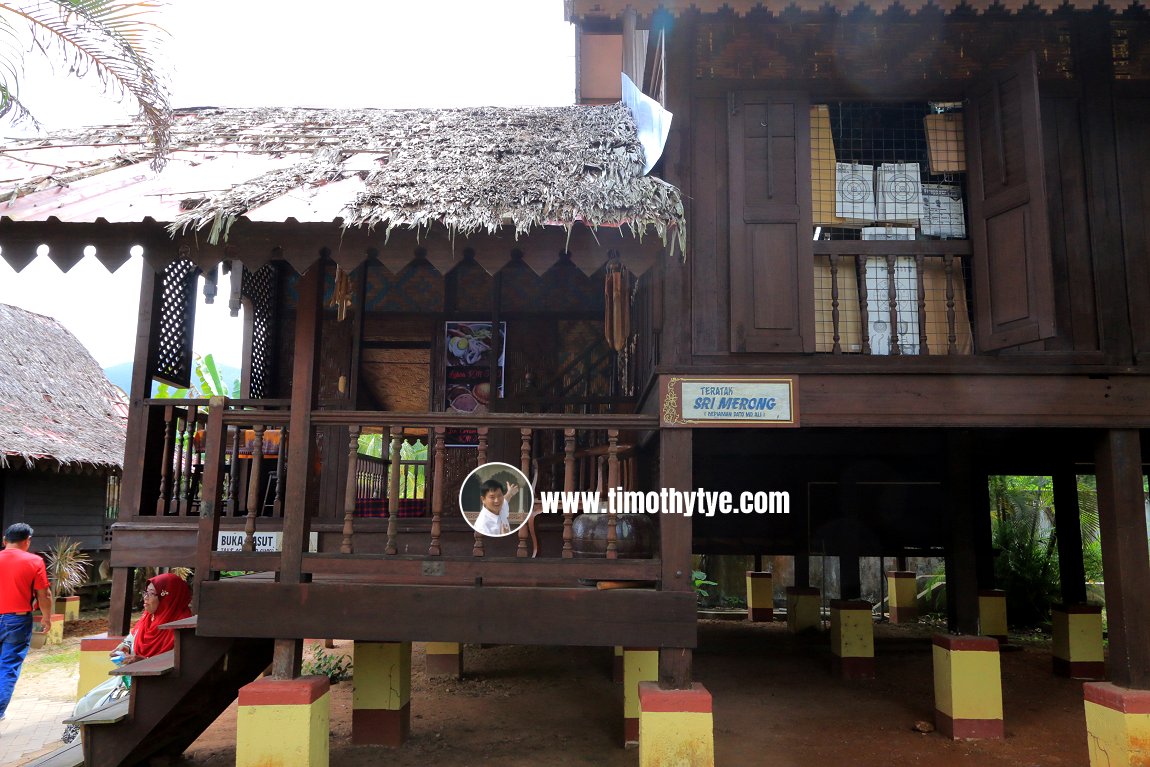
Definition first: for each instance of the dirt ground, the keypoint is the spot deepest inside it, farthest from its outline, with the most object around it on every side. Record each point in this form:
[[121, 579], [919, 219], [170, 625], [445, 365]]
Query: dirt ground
[[776, 703]]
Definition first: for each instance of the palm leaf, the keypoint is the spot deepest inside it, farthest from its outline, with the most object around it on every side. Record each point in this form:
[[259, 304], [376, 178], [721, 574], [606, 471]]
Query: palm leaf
[[115, 40]]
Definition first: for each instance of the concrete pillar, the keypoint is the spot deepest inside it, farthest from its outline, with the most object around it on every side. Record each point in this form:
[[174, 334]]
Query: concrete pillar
[[902, 591], [381, 697], [1118, 725], [852, 638], [992, 614], [640, 664], [967, 687], [94, 662], [283, 721], [676, 727], [444, 659], [804, 605], [1077, 647], [760, 597], [69, 607]]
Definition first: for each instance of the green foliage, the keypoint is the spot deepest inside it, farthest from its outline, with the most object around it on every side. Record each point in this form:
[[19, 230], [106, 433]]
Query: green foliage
[[1023, 533], [115, 40], [210, 383], [67, 567], [936, 590], [413, 478], [699, 579], [335, 667]]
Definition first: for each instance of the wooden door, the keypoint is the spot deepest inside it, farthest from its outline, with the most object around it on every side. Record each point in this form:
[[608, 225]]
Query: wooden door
[[1010, 231], [772, 266]]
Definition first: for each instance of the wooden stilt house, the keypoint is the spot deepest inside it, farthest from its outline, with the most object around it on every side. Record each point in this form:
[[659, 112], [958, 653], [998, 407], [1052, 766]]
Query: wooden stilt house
[[422, 291]]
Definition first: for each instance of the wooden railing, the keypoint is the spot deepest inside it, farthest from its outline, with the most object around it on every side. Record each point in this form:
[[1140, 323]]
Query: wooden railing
[[892, 297], [556, 452]]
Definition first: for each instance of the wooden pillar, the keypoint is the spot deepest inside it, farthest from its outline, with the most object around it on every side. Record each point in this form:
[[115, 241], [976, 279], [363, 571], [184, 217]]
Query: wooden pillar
[[305, 367], [961, 560], [850, 582], [675, 470], [141, 457], [802, 571], [981, 528], [1068, 531], [120, 609], [1125, 564]]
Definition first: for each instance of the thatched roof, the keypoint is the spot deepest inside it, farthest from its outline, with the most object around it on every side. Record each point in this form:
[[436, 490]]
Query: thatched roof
[[56, 405], [470, 170]]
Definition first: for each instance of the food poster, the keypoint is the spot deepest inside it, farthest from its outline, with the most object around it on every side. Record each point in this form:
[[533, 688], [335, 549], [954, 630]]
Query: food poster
[[467, 388]]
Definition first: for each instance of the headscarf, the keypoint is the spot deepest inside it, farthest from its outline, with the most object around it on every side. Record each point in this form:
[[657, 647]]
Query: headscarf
[[174, 596]]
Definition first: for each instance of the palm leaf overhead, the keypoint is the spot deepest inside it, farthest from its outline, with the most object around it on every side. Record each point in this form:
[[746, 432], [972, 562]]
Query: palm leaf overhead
[[114, 40]]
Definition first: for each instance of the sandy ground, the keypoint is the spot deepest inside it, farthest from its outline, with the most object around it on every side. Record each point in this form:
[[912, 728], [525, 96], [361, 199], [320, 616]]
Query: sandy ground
[[776, 703]]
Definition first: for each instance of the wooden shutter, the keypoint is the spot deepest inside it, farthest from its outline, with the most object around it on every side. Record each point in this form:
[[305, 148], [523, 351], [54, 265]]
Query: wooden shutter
[[772, 265], [1011, 267]]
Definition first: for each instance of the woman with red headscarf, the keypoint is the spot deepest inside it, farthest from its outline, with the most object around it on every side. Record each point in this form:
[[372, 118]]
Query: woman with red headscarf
[[166, 599]]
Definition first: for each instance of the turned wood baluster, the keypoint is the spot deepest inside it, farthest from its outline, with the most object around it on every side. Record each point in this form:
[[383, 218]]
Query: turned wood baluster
[[166, 463], [481, 457], [189, 459], [837, 348], [437, 455], [393, 489], [254, 487], [281, 472], [568, 486], [181, 477], [951, 331], [864, 319], [612, 483], [923, 348], [525, 467], [892, 302], [234, 473], [350, 491]]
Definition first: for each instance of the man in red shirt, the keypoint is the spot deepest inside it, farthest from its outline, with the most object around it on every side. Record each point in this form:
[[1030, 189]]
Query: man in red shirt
[[22, 576]]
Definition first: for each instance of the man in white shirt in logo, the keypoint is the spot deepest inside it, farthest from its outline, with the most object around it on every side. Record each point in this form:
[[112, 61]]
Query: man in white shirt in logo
[[493, 517]]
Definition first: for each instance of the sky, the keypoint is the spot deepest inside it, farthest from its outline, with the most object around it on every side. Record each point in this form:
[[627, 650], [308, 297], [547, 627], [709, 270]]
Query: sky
[[339, 53]]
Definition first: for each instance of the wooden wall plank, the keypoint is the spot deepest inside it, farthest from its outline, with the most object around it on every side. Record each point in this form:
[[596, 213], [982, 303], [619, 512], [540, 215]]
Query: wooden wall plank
[[710, 245]]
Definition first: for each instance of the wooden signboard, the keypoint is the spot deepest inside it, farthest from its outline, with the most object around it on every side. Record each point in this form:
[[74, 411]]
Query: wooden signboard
[[728, 401]]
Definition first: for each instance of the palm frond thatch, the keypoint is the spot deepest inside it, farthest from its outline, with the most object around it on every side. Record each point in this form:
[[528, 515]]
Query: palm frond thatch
[[56, 405]]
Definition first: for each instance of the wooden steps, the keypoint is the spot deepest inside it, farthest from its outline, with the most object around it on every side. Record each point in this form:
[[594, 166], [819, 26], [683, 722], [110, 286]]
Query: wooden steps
[[109, 713], [174, 697], [157, 665], [71, 755]]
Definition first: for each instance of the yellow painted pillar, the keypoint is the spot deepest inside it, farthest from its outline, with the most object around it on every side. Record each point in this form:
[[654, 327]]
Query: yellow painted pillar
[[283, 723], [381, 696], [852, 638], [640, 664], [902, 590], [617, 665], [760, 597], [56, 633], [444, 659], [676, 727], [1117, 725], [94, 662], [992, 614], [803, 608], [1077, 647], [967, 687], [69, 607]]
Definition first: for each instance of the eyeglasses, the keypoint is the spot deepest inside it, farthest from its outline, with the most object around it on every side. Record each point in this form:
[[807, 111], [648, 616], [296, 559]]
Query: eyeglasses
[[150, 593]]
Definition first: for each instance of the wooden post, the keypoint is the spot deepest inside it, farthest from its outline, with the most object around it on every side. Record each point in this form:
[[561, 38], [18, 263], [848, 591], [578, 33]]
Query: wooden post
[[568, 486], [481, 457], [120, 609], [346, 546], [1125, 565], [297, 524], [961, 560], [525, 467], [209, 526], [675, 470], [1068, 532], [254, 500], [438, 455], [395, 456], [137, 449], [612, 484]]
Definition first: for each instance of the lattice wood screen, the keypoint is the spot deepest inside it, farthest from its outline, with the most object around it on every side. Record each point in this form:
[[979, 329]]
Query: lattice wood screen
[[259, 288], [172, 355]]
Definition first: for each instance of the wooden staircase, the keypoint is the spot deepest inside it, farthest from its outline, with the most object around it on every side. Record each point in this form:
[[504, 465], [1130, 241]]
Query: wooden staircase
[[174, 697]]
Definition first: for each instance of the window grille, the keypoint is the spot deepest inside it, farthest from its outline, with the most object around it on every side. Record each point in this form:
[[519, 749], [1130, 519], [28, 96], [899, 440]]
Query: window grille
[[177, 303]]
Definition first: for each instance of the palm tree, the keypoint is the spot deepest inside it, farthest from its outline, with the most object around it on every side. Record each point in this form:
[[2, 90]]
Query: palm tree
[[115, 40]]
